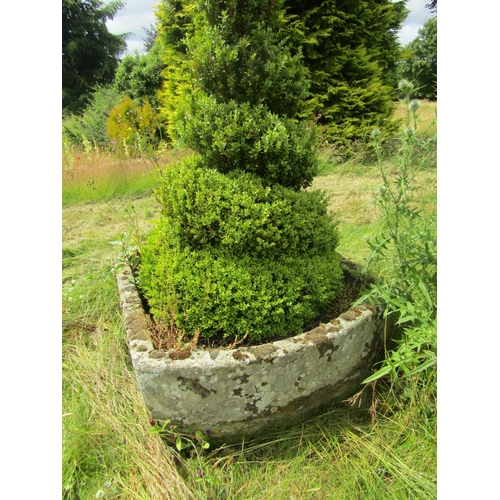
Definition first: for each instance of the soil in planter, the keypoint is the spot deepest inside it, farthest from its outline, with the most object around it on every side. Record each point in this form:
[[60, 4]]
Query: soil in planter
[[350, 291]]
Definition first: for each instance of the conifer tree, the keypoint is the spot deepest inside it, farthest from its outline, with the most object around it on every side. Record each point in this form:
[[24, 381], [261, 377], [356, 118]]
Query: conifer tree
[[89, 51], [174, 23], [351, 50]]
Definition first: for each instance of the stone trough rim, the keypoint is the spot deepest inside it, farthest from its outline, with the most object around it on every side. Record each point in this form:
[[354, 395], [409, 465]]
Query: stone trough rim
[[136, 327]]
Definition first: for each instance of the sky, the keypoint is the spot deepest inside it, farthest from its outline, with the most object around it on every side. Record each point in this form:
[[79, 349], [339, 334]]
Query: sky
[[139, 14]]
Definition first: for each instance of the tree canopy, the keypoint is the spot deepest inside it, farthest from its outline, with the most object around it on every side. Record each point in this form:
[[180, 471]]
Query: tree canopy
[[420, 66], [90, 53], [351, 49], [140, 76]]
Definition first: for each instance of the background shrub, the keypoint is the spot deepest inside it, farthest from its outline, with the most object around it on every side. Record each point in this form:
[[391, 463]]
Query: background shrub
[[90, 127], [139, 76], [420, 64], [134, 127]]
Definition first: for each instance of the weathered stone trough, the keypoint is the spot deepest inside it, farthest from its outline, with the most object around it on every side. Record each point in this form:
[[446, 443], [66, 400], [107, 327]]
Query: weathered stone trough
[[248, 391]]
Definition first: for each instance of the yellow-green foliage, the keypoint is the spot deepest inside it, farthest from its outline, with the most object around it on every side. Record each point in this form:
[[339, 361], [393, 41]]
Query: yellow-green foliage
[[133, 127], [174, 20], [173, 88]]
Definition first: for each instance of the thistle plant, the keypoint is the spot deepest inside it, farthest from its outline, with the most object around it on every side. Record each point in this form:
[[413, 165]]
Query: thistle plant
[[404, 254]]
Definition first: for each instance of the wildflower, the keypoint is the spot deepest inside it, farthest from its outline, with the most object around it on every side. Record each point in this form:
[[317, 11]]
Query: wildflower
[[100, 494], [413, 106], [152, 421], [208, 431], [405, 85], [201, 473]]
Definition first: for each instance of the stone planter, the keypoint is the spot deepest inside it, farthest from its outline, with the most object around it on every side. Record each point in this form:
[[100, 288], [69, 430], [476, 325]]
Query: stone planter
[[249, 391]]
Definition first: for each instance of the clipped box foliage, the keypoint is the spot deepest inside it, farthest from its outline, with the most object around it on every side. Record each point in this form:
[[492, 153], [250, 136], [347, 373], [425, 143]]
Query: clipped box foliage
[[252, 138], [231, 256], [240, 215]]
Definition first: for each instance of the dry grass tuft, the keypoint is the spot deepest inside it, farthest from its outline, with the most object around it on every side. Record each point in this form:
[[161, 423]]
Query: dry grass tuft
[[170, 337], [106, 427]]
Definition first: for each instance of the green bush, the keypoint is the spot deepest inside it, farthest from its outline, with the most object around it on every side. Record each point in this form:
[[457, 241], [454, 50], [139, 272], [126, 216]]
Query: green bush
[[134, 128], [231, 256], [139, 76], [250, 138], [90, 127], [247, 89], [234, 296], [239, 215], [240, 52], [239, 249]]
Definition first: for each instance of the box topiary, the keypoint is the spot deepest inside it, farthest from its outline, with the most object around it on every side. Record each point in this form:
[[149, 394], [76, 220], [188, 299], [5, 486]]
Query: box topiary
[[232, 257], [252, 138], [240, 248]]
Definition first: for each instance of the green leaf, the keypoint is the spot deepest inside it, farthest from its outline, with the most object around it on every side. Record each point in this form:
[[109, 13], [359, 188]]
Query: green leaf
[[424, 366], [178, 444], [385, 370]]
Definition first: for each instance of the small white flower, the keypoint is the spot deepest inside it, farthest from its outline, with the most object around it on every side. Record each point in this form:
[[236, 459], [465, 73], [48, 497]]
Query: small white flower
[[100, 494]]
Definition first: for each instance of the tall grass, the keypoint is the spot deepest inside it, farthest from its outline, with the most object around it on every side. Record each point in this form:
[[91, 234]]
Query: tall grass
[[106, 441], [383, 447], [92, 174]]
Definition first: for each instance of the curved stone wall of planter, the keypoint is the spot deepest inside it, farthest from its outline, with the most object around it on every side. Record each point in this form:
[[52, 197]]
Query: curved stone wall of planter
[[240, 393]]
